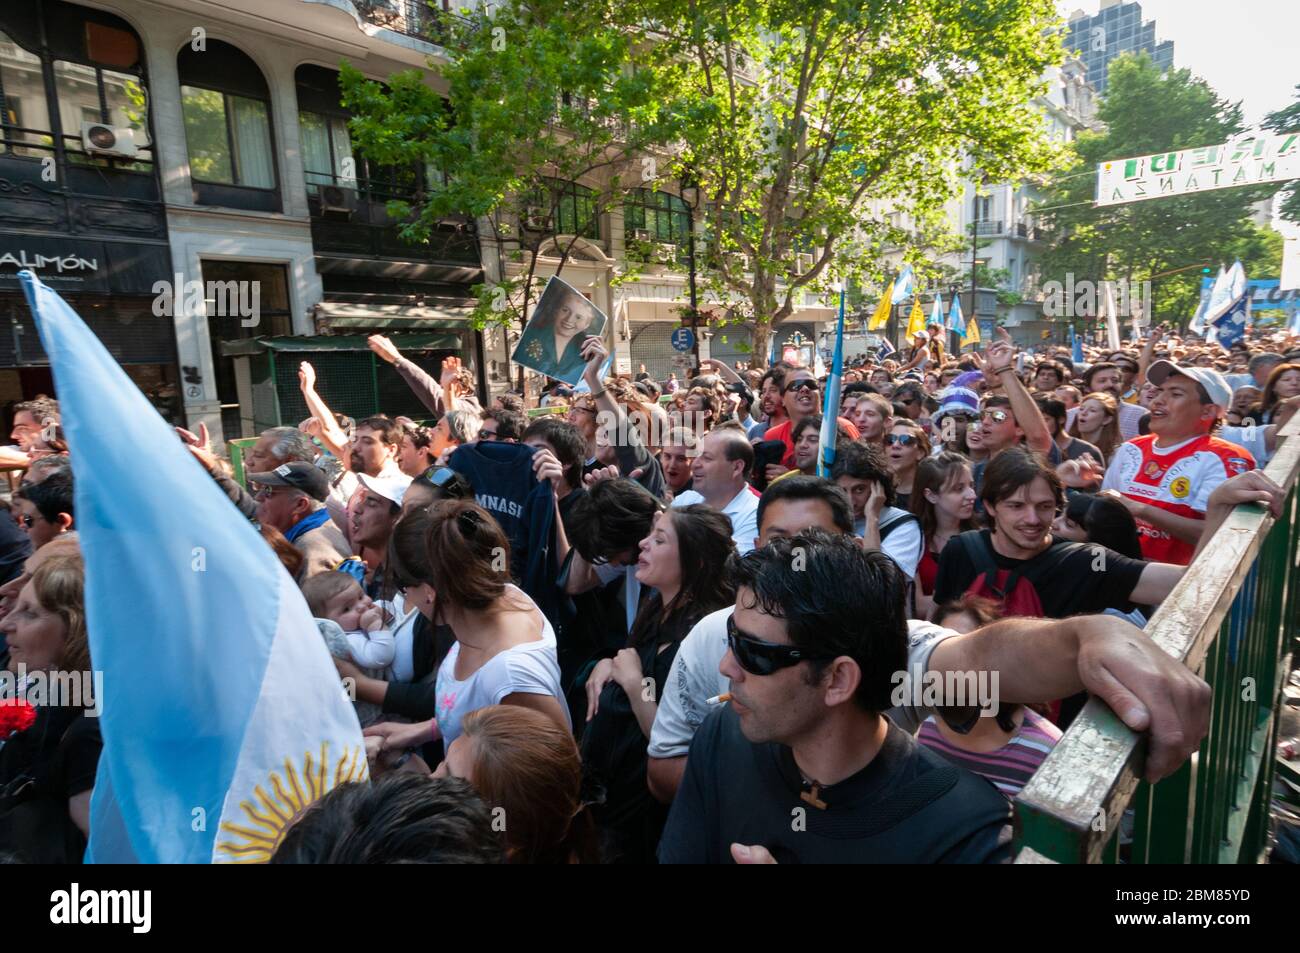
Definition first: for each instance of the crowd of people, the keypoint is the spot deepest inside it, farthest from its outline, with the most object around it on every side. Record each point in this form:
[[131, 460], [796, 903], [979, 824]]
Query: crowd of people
[[634, 624]]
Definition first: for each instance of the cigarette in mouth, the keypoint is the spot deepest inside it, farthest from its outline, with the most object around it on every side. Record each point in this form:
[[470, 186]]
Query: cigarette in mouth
[[720, 699]]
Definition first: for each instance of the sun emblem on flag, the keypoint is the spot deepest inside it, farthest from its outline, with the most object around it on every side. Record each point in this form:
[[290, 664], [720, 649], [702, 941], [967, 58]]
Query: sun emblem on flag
[[285, 795]]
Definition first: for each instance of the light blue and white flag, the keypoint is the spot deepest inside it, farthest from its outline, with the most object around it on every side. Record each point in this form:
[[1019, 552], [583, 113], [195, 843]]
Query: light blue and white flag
[[1197, 324], [831, 407], [903, 286], [223, 716], [956, 320], [1230, 286], [936, 311], [1076, 346]]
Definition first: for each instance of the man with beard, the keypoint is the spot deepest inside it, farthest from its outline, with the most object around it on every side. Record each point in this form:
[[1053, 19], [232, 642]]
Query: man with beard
[[769, 401]]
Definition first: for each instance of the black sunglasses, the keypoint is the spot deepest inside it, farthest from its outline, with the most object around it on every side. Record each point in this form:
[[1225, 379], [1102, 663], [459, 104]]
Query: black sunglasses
[[902, 439], [803, 383], [763, 658]]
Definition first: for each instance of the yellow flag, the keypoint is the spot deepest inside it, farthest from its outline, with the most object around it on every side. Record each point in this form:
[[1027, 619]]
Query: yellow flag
[[916, 320], [881, 317], [972, 333]]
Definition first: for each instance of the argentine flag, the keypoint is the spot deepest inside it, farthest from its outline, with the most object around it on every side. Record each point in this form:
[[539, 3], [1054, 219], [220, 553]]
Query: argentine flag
[[222, 712], [831, 407], [936, 311], [956, 320], [902, 286]]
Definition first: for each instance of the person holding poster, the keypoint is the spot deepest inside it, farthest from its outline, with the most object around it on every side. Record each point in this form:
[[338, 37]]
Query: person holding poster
[[552, 342]]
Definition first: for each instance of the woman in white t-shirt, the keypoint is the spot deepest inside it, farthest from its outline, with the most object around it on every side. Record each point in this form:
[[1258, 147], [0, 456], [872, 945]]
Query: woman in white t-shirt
[[504, 653]]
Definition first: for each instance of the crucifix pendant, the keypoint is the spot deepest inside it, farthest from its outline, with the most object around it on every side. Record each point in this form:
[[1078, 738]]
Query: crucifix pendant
[[812, 798]]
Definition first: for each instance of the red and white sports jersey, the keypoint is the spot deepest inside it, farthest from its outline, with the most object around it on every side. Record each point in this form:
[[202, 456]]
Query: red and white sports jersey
[[1179, 479]]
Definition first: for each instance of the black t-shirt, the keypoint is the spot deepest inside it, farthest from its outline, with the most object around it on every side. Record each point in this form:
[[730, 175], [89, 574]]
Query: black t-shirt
[[908, 806], [614, 746], [1092, 579], [59, 754]]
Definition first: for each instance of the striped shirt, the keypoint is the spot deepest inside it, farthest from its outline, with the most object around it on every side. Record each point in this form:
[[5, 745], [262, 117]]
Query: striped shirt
[[1010, 767]]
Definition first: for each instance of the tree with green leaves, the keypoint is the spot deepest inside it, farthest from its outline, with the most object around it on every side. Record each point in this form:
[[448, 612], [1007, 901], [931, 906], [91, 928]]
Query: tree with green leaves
[[815, 128], [806, 126], [1168, 240], [1287, 119], [542, 96]]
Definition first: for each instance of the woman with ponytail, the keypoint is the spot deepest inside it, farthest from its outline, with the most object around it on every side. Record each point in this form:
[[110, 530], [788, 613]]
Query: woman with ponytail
[[504, 649]]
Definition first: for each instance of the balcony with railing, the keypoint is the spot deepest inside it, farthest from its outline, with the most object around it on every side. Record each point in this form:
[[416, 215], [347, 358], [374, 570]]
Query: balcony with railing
[[415, 18]]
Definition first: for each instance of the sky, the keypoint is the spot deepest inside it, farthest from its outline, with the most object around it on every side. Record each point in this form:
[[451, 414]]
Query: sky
[[1245, 49]]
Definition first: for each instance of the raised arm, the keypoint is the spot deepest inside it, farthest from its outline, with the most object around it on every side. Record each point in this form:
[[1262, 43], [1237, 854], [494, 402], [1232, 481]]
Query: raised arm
[[335, 440], [1001, 357]]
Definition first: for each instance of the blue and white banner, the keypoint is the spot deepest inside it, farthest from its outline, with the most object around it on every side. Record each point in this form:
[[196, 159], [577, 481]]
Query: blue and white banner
[[831, 407], [223, 716], [1231, 325], [956, 320], [903, 286]]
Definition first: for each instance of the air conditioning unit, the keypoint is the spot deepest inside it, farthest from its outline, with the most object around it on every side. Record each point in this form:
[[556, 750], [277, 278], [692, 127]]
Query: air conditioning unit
[[665, 253], [101, 140], [641, 234], [803, 263], [337, 202]]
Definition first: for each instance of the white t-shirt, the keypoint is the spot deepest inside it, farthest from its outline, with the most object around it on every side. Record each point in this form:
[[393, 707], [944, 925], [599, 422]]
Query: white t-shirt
[[1251, 439], [904, 544], [694, 679], [530, 668], [742, 511]]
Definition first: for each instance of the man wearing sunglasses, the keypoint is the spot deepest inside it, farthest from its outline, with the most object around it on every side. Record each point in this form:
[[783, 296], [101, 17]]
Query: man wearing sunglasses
[[801, 398], [803, 765], [1038, 660]]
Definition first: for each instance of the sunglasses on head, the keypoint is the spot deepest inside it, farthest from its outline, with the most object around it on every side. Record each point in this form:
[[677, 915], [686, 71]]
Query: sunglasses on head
[[804, 383], [900, 439], [997, 416], [763, 658]]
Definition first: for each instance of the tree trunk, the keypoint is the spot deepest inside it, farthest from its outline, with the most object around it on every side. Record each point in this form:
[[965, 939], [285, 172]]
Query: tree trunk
[[758, 358]]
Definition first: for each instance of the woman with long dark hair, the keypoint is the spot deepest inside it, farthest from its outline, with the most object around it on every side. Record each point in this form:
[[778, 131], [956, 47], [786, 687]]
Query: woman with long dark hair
[[1283, 383], [943, 499], [682, 559]]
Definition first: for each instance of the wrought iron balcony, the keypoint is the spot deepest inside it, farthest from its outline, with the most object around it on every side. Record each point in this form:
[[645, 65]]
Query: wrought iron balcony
[[412, 17]]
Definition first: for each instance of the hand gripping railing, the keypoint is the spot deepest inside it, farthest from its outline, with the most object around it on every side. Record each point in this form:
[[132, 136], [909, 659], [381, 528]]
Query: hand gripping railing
[[1230, 619]]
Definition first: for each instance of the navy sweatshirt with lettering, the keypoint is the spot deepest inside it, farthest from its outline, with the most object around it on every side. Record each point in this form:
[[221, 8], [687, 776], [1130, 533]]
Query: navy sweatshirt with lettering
[[505, 485]]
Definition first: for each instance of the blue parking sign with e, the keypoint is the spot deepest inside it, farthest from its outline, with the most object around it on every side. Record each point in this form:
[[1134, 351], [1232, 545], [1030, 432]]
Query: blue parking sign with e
[[683, 339]]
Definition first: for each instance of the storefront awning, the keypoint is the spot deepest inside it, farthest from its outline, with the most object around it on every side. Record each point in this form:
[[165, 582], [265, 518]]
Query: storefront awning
[[342, 342], [452, 313]]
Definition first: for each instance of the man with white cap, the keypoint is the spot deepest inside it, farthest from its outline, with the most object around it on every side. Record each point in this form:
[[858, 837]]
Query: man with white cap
[[1165, 478], [372, 524]]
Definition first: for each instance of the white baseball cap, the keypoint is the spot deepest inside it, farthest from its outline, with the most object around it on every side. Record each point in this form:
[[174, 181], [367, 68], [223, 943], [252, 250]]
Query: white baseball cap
[[391, 488], [1211, 381]]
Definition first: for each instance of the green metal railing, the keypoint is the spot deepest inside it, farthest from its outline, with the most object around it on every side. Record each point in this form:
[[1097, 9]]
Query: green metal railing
[[1230, 619]]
